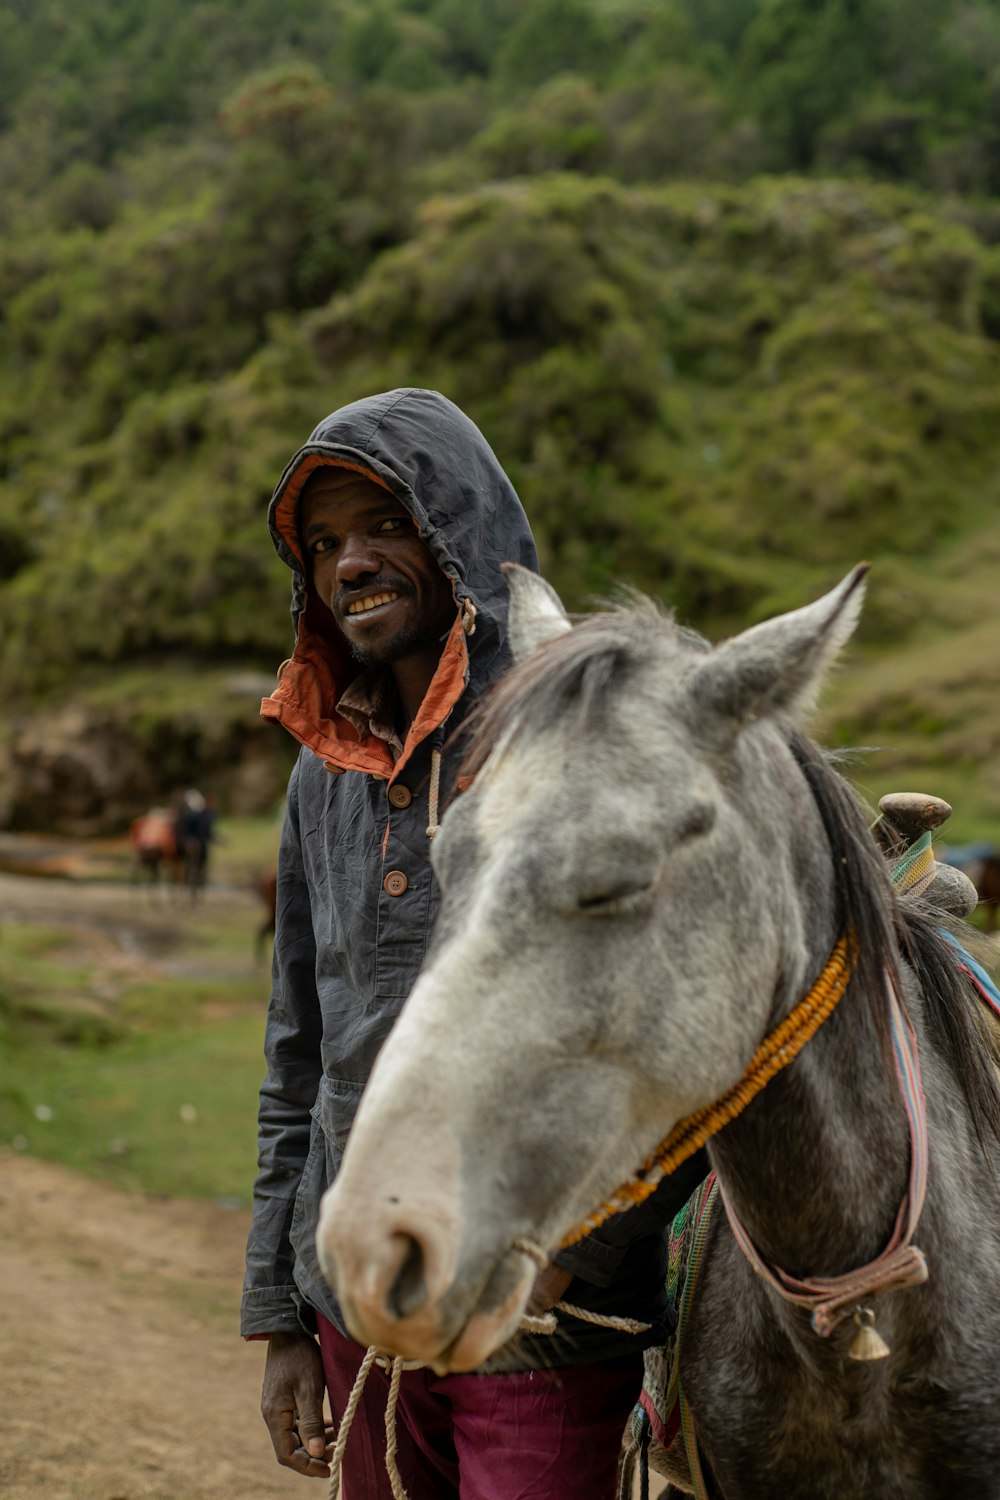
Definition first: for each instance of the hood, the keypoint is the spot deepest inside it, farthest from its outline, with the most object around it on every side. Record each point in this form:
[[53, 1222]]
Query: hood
[[436, 462]]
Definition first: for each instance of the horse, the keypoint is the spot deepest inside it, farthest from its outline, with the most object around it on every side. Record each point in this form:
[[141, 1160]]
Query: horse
[[153, 841], [664, 920]]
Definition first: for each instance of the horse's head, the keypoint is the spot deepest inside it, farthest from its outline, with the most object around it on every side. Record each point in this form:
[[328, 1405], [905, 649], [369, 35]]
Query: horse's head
[[635, 885]]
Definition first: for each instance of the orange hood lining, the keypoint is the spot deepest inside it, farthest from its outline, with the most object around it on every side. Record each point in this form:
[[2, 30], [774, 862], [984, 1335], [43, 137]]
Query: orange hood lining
[[286, 511]]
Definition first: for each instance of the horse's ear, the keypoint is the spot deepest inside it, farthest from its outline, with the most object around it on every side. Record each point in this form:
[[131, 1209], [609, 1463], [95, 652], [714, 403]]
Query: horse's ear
[[777, 668], [536, 613]]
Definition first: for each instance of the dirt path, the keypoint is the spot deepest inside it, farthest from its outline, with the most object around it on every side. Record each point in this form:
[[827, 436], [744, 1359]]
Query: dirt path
[[123, 1377]]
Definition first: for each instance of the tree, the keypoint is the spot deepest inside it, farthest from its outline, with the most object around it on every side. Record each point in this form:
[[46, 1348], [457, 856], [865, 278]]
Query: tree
[[804, 62]]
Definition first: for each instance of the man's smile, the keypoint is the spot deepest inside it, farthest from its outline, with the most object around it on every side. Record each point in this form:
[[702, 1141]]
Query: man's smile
[[368, 602]]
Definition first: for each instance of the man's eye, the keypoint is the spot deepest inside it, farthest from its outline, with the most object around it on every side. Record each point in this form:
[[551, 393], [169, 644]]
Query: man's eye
[[323, 544], [391, 523]]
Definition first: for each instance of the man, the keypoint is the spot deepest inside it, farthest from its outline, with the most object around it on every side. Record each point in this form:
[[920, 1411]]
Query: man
[[194, 829], [395, 518]]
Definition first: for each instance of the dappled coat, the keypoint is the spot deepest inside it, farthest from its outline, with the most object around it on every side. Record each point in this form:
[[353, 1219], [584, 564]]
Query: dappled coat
[[356, 897]]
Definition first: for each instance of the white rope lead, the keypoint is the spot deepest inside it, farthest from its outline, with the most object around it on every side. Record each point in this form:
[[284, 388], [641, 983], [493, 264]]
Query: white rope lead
[[395, 1365], [391, 1467], [345, 1424], [434, 794]]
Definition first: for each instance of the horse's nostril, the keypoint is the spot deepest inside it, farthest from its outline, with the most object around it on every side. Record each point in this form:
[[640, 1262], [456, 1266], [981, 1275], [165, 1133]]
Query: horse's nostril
[[408, 1293]]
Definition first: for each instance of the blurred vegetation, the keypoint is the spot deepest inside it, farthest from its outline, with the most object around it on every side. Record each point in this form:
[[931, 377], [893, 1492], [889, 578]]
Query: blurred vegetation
[[143, 1072], [720, 280]]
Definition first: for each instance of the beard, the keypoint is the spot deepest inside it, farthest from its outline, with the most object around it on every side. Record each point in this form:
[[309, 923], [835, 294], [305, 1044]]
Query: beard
[[409, 638], [415, 634]]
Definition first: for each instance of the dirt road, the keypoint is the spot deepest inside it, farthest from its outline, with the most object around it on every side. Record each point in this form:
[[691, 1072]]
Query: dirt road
[[123, 1377]]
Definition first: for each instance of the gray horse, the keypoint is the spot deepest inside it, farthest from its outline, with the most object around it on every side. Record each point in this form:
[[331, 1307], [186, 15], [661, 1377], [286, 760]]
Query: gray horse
[[649, 872]]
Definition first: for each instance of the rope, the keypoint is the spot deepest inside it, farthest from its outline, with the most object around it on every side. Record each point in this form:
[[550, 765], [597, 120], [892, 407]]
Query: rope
[[603, 1320], [775, 1052], [901, 1264], [395, 1365], [546, 1322], [345, 1425], [433, 795], [391, 1467]]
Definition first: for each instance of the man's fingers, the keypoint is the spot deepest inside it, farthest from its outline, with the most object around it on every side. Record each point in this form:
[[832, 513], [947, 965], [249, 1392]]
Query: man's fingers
[[294, 1451], [292, 1404], [312, 1468], [550, 1283], [312, 1434], [302, 1463], [280, 1422]]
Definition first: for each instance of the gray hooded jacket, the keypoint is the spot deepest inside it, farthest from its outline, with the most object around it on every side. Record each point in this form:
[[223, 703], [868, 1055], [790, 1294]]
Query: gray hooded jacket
[[349, 940]]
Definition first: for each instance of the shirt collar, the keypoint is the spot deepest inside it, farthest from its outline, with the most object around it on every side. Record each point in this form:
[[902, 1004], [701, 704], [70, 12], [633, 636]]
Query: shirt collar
[[369, 704]]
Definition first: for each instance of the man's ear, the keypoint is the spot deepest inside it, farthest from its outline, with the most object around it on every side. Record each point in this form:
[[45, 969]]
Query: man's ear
[[536, 613]]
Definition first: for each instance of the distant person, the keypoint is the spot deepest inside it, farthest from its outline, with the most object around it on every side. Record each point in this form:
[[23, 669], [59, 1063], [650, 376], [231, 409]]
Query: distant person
[[395, 518], [194, 832]]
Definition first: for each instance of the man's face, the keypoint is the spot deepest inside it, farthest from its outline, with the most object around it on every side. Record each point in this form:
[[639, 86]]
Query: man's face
[[368, 565]]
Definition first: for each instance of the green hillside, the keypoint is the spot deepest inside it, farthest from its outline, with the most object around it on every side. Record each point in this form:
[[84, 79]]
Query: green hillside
[[729, 330]]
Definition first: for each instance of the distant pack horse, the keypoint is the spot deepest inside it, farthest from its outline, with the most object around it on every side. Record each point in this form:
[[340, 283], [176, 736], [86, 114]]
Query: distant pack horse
[[663, 911], [153, 841]]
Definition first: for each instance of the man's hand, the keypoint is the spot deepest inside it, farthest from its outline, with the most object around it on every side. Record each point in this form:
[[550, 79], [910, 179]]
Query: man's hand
[[291, 1404], [550, 1283]]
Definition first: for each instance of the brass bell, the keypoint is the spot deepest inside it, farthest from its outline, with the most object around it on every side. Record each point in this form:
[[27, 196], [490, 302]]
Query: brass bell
[[867, 1343]]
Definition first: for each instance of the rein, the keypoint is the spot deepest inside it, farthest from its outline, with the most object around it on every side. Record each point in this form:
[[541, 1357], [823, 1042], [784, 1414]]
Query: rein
[[901, 1264], [780, 1047]]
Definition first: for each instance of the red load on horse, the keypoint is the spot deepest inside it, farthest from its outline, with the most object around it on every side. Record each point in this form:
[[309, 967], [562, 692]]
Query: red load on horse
[[153, 842]]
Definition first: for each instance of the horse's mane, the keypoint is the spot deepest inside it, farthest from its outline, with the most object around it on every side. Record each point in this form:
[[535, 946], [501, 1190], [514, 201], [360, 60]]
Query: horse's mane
[[574, 674], [889, 928]]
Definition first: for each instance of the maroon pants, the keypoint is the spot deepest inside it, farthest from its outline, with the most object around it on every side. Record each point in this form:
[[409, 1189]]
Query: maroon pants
[[541, 1435]]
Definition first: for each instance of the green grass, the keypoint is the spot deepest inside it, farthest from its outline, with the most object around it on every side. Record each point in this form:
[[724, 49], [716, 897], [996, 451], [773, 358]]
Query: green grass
[[173, 1115], [146, 1079], [246, 847]]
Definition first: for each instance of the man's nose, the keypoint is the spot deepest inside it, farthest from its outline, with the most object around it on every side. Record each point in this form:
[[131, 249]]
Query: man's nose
[[357, 558]]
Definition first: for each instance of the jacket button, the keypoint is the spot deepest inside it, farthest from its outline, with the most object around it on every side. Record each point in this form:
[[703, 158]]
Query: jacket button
[[395, 883], [400, 795]]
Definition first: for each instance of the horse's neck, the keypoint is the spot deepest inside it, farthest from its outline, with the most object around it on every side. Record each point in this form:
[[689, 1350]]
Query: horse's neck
[[817, 1166]]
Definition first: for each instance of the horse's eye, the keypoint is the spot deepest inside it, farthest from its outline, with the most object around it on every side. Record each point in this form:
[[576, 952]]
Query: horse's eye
[[616, 901], [697, 820]]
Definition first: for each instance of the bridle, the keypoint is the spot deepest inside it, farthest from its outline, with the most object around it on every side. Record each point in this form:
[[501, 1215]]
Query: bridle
[[780, 1047], [829, 1299]]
